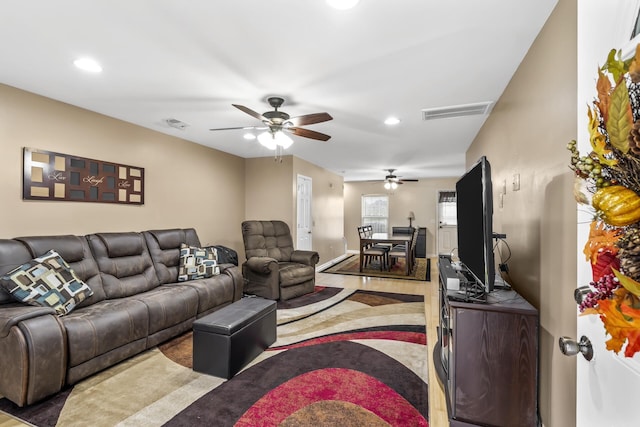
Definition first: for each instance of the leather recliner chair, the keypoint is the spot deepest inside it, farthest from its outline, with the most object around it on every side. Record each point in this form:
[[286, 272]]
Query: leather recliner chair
[[274, 269]]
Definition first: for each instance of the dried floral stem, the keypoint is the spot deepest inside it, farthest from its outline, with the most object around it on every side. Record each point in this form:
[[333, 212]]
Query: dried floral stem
[[627, 171]]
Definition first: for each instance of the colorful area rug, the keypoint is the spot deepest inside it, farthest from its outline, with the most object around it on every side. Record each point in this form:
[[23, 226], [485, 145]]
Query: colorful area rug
[[342, 358], [351, 265]]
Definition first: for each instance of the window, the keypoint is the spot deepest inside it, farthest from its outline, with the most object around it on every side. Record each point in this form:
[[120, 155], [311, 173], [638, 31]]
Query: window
[[447, 208], [375, 212]]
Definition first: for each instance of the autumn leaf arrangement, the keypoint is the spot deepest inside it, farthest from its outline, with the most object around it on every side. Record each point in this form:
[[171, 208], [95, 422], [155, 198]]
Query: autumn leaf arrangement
[[608, 178]]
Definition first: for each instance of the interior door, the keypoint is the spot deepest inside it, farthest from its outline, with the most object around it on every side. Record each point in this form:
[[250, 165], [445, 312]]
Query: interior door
[[608, 383], [447, 239], [305, 223], [447, 222]]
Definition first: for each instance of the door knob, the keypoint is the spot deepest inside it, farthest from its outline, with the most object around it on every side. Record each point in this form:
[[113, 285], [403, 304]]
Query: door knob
[[569, 347], [580, 293]]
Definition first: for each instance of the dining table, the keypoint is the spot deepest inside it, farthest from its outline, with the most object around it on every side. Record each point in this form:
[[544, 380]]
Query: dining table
[[387, 238]]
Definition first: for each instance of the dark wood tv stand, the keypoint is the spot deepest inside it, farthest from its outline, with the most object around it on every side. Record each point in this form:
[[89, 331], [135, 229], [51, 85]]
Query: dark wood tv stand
[[488, 358]]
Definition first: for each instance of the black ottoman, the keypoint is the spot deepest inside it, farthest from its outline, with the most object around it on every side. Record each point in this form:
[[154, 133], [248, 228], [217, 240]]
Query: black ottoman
[[226, 340]]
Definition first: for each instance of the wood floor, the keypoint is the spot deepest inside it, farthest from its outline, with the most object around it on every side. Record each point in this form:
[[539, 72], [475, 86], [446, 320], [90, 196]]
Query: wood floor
[[437, 405]]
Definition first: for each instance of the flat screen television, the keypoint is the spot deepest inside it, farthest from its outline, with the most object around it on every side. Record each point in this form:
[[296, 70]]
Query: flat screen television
[[474, 206]]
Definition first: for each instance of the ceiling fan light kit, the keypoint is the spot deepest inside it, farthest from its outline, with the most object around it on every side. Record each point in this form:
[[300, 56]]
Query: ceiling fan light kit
[[278, 122], [392, 181], [272, 140]]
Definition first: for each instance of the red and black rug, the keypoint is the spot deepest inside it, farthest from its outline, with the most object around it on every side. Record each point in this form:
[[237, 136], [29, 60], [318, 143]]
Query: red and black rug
[[342, 358]]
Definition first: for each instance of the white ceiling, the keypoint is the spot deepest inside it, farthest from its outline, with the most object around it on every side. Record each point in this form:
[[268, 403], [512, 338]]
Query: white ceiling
[[191, 59]]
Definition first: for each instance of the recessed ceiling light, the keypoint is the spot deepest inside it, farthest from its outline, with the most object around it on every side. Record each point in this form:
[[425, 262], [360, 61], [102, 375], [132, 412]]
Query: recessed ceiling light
[[392, 121], [88, 64], [342, 4], [249, 136]]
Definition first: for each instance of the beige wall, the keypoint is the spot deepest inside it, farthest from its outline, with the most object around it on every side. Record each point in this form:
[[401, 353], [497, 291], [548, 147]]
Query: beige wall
[[420, 197], [269, 190], [527, 134], [270, 193], [187, 185], [327, 209]]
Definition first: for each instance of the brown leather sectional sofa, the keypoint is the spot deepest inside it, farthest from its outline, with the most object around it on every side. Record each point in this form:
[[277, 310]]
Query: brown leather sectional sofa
[[137, 303]]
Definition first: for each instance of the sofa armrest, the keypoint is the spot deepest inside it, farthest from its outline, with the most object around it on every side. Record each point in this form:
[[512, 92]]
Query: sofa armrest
[[34, 354], [11, 315], [238, 281], [261, 277], [225, 266], [262, 264], [305, 257]]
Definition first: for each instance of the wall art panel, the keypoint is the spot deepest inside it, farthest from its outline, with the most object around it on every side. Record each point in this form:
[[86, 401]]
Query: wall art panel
[[55, 176]]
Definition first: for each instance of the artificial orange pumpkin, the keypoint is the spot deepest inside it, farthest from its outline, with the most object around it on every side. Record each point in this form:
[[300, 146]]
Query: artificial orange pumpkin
[[618, 205]]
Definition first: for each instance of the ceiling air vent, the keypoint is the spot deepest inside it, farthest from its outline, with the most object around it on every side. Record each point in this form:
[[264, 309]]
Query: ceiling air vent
[[175, 123], [457, 111]]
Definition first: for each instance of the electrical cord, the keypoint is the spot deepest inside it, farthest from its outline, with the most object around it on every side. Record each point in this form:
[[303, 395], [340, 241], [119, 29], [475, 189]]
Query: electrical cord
[[504, 268]]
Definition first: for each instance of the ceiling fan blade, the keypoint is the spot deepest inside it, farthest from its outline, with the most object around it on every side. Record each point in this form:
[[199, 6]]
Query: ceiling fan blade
[[308, 133], [309, 119], [409, 180], [243, 127], [250, 112]]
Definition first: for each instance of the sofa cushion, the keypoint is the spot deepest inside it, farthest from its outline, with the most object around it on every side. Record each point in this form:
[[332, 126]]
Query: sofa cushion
[[267, 239], [12, 254], [292, 273], [46, 281], [169, 306], [122, 244], [103, 327], [197, 263], [125, 265], [76, 252], [213, 292], [168, 239], [164, 249]]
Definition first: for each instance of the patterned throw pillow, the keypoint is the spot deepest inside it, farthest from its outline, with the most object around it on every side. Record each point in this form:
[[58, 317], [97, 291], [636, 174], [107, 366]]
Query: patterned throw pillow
[[46, 281], [197, 263]]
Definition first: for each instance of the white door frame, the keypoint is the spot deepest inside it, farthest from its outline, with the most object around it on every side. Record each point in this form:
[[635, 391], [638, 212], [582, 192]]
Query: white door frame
[[438, 234]]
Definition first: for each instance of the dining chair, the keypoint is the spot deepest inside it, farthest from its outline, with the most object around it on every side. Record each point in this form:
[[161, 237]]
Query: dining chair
[[371, 252], [400, 251]]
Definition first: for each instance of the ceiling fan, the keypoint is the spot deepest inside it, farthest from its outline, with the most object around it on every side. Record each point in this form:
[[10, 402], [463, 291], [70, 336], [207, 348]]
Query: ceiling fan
[[277, 123], [392, 181]]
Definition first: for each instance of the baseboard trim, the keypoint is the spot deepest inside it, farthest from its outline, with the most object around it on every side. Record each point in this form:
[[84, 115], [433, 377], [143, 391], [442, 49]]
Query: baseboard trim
[[333, 261]]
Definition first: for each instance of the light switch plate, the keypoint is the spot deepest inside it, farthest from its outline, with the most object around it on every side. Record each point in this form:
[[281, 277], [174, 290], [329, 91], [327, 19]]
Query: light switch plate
[[516, 182]]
